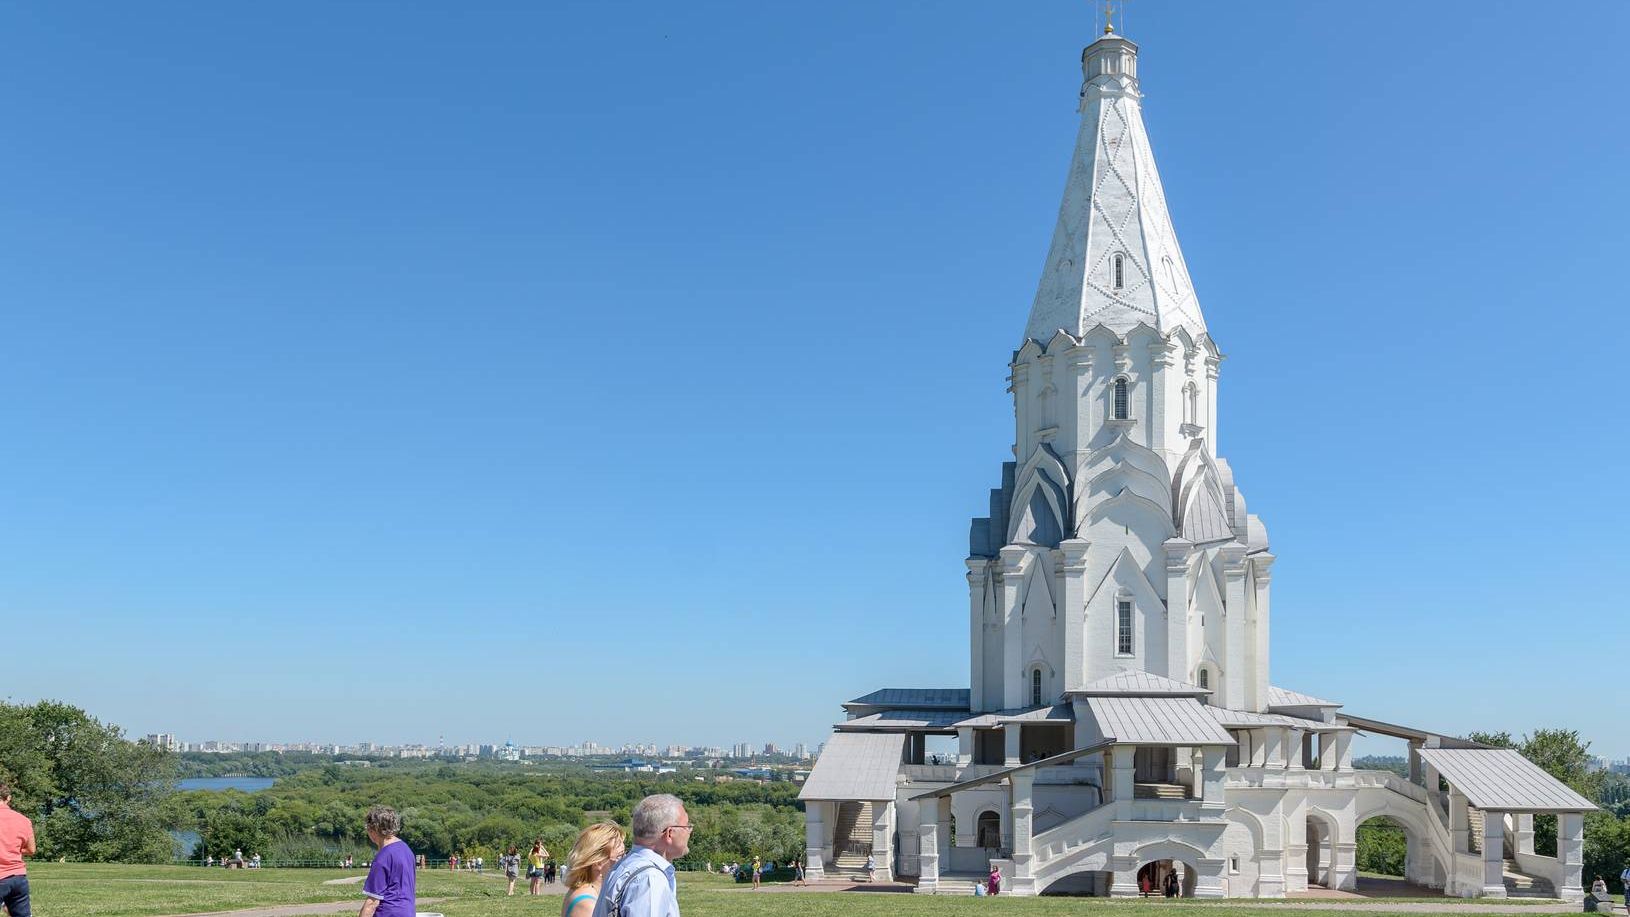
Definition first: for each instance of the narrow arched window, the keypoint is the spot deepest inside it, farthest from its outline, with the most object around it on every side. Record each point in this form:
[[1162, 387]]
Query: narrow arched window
[[1191, 405], [1205, 679], [1171, 272], [1120, 272], [1122, 399], [1035, 687], [1123, 627]]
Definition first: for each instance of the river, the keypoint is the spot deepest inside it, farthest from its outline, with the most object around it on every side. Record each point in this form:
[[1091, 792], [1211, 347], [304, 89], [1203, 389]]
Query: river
[[246, 784]]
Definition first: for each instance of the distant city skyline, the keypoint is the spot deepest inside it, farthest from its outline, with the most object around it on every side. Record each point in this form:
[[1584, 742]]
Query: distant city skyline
[[585, 749]]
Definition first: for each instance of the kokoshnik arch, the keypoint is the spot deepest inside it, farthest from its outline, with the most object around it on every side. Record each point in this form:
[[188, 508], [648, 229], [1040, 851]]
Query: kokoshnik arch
[[1119, 723]]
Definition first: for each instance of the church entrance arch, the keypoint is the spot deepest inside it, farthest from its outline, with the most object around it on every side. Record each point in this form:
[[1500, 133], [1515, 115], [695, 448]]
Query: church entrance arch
[[988, 833]]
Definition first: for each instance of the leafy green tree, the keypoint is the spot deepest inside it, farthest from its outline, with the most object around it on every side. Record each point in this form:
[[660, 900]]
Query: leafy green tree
[[93, 794]]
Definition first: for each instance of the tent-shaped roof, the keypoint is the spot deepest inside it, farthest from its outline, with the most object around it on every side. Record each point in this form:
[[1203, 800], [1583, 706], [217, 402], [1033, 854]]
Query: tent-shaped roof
[[856, 766], [1502, 780]]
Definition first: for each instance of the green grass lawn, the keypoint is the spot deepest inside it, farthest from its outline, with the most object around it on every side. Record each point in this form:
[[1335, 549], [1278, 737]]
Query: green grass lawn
[[75, 890]]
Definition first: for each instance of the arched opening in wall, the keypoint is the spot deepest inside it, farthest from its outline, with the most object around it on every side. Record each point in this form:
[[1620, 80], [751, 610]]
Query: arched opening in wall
[[988, 832], [1122, 398], [1191, 404], [1321, 852], [1086, 883], [1167, 879], [1390, 858]]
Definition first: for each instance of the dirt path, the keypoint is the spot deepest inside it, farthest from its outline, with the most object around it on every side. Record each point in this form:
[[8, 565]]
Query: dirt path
[[298, 910]]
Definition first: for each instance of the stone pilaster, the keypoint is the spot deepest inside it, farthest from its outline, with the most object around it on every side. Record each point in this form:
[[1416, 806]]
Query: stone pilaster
[[815, 828], [978, 616], [1234, 675], [1256, 693], [1073, 570], [1177, 609], [1013, 565], [1024, 880]]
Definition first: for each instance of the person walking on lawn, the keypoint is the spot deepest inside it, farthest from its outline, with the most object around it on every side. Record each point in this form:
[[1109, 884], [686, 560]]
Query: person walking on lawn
[[16, 842], [392, 881], [642, 883]]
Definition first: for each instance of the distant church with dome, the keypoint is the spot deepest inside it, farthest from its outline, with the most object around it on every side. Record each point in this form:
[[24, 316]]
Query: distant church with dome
[[1119, 724]]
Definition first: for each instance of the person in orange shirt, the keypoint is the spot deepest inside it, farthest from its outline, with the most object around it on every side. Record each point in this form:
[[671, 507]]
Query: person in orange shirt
[[16, 842]]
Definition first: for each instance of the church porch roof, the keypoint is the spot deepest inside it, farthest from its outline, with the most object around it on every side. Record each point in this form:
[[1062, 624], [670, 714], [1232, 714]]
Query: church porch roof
[[1138, 684], [1502, 780], [910, 699], [1155, 721], [856, 766], [1283, 697]]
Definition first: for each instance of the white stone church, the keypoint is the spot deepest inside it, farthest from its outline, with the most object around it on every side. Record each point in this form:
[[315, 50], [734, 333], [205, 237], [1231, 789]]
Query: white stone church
[[1119, 724]]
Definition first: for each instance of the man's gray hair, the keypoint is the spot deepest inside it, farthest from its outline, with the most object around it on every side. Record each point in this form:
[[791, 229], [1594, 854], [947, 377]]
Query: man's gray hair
[[654, 814], [384, 820]]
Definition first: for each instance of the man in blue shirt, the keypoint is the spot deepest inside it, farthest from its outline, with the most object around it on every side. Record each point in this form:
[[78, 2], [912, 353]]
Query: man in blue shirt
[[642, 883]]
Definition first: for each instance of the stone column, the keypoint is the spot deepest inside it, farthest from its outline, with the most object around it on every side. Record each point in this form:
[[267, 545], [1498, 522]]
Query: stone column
[[1123, 881], [1493, 854], [1296, 877], [1459, 823], [1210, 421], [1074, 604], [1024, 880], [1197, 772], [1293, 749], [1273, 748], [1329, 754], [815, 839], [1162, 354], [1344, 751], [1010, 740], [1415, 775], [1211, 797], [1570, 855], [965, 740], [928, 845], [1522, 834], [883, 839], [1121, 765]]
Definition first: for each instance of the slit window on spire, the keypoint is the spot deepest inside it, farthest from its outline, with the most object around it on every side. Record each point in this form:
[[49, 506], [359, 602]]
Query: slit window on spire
[[1035, 687], [1122, 399], [1191, 404], [1120, 271]]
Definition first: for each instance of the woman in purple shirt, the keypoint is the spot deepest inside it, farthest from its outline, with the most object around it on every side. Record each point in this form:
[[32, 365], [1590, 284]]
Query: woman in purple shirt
[[390, 883]]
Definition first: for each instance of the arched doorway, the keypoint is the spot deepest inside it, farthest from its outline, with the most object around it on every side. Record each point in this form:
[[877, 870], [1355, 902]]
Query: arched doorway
[[1390, 853], [988, 831], [1167, 878], [1321, 850]]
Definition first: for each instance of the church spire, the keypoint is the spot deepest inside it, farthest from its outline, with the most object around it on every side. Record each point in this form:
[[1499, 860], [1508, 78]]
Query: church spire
[[1114, 259]]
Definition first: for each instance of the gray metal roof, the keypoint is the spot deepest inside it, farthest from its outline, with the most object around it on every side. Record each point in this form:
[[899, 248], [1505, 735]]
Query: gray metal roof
[[908, 720], [1058, 713], [1156, 721], [1502, 780], [856, 765], [1281, 697], [1139, 683], [922, 698], [1245, 718]]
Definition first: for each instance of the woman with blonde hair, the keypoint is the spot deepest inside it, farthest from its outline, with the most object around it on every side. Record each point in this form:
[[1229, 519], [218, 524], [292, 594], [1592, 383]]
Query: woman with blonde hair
[[598, 848]]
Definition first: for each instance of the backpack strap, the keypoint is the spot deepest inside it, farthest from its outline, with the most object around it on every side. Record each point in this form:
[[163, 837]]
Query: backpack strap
[[615, 907]]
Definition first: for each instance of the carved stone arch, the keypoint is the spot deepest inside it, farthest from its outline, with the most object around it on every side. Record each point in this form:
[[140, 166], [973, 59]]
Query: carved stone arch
[[1253, 823], [1180, 335], [1031, 349], [1061, 341], [1170, 849], [1330, 822], [1043, 487], [1101, 335], [1116, 478]]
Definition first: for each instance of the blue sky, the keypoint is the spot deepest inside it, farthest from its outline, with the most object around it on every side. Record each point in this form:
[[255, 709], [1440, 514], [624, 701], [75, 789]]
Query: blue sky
[[627, 370]]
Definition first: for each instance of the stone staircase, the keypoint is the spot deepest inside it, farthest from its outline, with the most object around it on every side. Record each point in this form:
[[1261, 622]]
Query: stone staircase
[[852, 842], [958, 884], [1521, 885], [1159, 791]]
